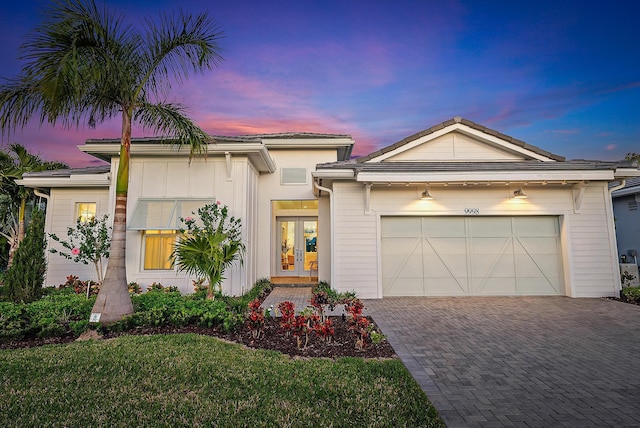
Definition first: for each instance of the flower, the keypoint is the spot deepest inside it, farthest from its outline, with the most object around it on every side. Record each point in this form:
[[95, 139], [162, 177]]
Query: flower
[[188, 219], [217, 202], [75, 251]]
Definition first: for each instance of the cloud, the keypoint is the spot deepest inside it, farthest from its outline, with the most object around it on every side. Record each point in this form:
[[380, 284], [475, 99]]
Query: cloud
[[611, 147]]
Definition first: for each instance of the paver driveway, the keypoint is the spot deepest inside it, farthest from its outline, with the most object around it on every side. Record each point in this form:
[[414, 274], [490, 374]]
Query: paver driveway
[[525, 361]]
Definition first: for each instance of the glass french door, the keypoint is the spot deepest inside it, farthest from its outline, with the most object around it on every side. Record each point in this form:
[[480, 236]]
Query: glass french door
[[297, 245]]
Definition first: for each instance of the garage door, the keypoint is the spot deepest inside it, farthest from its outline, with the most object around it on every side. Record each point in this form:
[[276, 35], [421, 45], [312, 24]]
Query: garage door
[[476, 256]]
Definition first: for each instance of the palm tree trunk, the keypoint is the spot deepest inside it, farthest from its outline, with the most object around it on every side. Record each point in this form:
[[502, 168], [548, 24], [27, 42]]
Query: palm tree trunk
[[15, 243], [114, 302]]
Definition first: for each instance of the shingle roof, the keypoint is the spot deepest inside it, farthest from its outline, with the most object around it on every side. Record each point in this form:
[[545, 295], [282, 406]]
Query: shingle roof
[[468, 123], [468, 166], [224, 138], [101, 169]]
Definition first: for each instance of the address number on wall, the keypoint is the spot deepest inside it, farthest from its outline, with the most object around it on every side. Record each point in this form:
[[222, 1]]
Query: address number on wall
[[472, 211]]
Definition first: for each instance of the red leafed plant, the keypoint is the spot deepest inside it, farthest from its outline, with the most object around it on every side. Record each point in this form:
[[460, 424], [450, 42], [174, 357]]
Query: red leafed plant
[[359, 325], [287, 316], [324, 330], [318, 300], [255, 319]]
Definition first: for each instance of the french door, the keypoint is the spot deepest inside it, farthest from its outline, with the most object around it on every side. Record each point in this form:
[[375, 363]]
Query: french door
[[297, 251]]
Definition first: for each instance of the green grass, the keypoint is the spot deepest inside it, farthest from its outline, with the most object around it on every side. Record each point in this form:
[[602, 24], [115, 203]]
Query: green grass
[[195, 381]]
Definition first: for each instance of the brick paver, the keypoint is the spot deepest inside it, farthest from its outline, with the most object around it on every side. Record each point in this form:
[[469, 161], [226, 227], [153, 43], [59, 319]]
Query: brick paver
[[525, 361]]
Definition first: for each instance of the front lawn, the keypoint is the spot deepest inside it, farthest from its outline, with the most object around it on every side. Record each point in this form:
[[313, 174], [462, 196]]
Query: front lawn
[[193, 380]]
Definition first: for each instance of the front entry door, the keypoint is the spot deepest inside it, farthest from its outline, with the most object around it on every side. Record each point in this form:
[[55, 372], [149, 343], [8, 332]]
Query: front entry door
[[297, 245]]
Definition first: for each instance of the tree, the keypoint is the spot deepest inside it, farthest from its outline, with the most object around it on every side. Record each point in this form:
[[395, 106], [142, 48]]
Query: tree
[[84, 65], [632, 157], [14, 163], [208, 250], [25, 277]]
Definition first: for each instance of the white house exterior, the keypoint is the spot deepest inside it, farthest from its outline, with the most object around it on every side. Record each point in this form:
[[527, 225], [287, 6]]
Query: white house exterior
[[264, 179], [363, 224], [473, 237]]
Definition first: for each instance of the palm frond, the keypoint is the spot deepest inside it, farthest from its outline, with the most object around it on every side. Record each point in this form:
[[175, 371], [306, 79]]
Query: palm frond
[[177, 45], [171, 121]]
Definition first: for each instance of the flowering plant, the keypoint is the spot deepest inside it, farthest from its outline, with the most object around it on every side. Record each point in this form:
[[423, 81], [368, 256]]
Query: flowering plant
[[87, 243]]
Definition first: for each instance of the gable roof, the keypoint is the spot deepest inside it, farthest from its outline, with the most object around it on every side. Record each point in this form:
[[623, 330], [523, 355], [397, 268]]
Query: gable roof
[[451, 123]]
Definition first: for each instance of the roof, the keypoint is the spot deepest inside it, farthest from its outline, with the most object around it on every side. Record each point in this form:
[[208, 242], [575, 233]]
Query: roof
[[101, 169], [357, 166], [93, 176], [107, 147], [468, 123], [631, 187]]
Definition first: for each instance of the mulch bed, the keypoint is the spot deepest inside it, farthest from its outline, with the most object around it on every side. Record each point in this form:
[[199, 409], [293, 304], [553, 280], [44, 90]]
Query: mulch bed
[[342, 345]]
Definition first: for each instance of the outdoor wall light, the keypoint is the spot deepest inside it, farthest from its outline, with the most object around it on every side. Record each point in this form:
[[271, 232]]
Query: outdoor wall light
[[519, 194], [425, 196]]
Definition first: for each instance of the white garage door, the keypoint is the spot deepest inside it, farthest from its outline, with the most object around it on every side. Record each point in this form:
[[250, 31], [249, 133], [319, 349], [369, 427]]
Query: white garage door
[[476, 256]]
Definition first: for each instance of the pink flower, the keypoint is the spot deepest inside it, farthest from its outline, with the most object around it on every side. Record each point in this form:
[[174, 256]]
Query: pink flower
[[217, 202], [75, 251], [188, 219]]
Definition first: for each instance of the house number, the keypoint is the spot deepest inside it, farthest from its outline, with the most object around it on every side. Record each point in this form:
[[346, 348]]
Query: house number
[[472, 211]]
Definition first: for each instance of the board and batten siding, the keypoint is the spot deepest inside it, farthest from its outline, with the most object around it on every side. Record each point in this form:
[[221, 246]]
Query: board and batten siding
[[61, 214], [588, 257], [199, 179], [356, 242]]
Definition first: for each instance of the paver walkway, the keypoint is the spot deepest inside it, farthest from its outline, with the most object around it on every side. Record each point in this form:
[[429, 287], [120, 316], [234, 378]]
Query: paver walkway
[[526, 361]]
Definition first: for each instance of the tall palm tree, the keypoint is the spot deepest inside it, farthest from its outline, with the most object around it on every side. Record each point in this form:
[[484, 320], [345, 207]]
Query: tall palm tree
[[84, 65]]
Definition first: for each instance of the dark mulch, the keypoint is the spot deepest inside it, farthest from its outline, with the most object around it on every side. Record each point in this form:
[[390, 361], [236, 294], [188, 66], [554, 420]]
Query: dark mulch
[[623, 300], [342, 345]]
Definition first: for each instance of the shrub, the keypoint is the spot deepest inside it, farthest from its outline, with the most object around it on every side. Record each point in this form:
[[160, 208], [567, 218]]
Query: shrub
[[25, 277], [631, 294]]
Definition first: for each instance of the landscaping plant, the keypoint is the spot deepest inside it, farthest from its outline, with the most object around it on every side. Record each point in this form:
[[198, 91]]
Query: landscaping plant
[[25, 277], [255, 318], [210, 245], [86, 243]]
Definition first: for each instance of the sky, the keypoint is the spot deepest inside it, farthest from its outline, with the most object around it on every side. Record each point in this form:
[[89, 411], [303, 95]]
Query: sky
[[560, 75]]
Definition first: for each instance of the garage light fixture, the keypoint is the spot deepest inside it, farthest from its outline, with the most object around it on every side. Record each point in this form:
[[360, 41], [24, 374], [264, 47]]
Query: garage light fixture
[[519, 194], [425, 196]]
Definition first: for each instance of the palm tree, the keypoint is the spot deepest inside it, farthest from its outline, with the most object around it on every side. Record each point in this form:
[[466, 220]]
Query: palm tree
[[84, 65], [207, 250], [13, 165]]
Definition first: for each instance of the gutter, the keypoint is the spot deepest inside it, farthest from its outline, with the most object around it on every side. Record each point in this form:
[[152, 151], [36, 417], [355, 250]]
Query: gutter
[[618, 187], [333, 226], [37, 192]]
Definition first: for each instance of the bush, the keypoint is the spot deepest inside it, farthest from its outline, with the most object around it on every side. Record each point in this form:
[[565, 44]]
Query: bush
[[56, 314], [63, 312], [631, 294], [25, 277]]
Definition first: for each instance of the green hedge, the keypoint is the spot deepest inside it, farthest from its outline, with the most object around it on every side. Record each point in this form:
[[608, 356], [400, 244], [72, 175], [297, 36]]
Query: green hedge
[[62, 312]]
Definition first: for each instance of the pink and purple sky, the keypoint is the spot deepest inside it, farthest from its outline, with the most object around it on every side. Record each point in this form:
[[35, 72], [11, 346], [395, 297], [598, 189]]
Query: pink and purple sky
[[561, 75]]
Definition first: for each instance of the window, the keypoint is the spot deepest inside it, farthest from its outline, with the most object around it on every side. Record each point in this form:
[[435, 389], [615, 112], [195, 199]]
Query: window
[[158, 246], [85, 211], [293, 176]]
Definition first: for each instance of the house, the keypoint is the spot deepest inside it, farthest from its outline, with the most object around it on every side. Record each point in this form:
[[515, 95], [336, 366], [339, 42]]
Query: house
[[627, 221], [457, 209], [264, 179], [627, 217]]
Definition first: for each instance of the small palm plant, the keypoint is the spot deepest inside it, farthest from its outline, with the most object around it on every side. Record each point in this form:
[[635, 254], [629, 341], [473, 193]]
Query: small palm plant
[[210, 245]]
